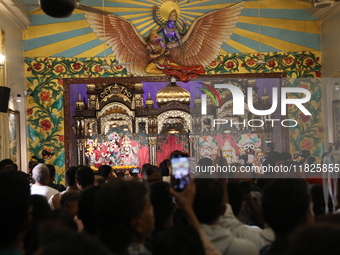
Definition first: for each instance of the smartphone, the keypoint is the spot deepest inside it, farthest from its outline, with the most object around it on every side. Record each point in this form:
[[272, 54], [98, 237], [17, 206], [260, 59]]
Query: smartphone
[[180, 172]]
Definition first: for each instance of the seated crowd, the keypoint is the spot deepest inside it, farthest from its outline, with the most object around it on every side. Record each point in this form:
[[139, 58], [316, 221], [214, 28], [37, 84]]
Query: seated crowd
[[99, 214]]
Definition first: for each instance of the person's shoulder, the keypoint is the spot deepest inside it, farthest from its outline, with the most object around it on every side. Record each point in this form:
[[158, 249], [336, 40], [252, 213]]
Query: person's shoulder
[[52, 190], [241, 246]]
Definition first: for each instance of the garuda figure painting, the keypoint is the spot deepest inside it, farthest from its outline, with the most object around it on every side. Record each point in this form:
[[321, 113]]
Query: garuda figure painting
[[180, 47]]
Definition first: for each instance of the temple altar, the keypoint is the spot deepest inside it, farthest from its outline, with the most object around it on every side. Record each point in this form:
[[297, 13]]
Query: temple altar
[[126, 125]]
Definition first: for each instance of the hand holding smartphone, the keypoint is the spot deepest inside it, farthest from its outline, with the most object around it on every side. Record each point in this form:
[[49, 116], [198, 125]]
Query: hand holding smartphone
[[180, 172]]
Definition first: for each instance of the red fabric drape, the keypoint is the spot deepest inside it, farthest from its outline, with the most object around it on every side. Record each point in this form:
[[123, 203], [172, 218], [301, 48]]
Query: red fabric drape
[[169, 145], [143, 156]]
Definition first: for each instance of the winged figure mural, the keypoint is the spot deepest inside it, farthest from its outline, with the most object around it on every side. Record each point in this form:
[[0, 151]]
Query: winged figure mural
[[186, 54]]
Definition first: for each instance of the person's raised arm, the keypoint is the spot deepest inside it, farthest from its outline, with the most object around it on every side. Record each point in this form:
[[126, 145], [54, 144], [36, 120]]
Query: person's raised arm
[[185, 201]]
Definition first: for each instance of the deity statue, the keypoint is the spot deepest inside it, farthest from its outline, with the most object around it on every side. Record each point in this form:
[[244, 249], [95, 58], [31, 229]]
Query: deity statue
[[170, 29], [128, 153], [160, 61], [207, 147], [229, 152], [113, 149], [247, 144], [201, 43]]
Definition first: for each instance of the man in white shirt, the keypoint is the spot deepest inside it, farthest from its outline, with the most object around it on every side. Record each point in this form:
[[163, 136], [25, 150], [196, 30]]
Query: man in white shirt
[[41, 175]]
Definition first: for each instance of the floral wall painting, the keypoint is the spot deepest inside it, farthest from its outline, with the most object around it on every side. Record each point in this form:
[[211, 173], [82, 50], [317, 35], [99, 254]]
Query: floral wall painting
[[336, 120], [14, 137]]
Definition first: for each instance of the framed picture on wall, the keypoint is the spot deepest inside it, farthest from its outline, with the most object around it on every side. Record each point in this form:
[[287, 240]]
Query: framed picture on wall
[[14, 137], [336, 120]]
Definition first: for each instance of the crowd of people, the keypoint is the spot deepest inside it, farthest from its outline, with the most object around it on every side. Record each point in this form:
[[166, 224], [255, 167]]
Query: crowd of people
[[99, 214]]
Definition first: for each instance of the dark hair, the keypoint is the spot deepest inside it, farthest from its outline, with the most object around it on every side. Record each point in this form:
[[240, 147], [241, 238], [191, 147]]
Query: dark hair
[[86, 209], [162, 203], [285, 204], [235, 197], [57, 219], [14, 204], [5, 162], [71, 243], [180, 240], [51, 168], [164, 168], [177, 152], [70, 175], [205, 162], [318, 238], [208, 200], [85, 176], [40, 210], [149, 169], [104, 171], [70, 196], [284, 156], [118, 202], [40, 207]]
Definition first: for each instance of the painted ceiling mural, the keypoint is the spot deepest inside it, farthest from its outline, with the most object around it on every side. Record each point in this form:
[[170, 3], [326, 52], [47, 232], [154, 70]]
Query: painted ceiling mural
[[285, 26]]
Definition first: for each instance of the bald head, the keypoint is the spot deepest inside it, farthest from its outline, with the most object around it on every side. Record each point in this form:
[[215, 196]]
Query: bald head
[[41, 174]]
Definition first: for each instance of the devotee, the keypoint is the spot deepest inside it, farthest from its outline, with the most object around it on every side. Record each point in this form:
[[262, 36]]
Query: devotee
[[319, 238], [234, 201], [151, 173], [41, 176], [40, 209], [183, 239], [286, 205], [71, 185], [163, 205], [105, 171], [86, 209], [6, 164], [15, 217], [164, 169], [124, 216], [51, 184], [209, 206], [69, 202], [70, 243], [84, 178]]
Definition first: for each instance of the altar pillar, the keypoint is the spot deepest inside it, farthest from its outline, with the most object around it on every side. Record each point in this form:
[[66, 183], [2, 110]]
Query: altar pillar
[[152, 149], [81, 152]]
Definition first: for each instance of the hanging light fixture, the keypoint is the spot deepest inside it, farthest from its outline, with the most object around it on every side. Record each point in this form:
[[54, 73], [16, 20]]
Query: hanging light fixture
[[260, 60]]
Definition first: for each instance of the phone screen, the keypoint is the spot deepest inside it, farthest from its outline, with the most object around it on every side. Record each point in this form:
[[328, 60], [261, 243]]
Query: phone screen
[[180, 172]]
